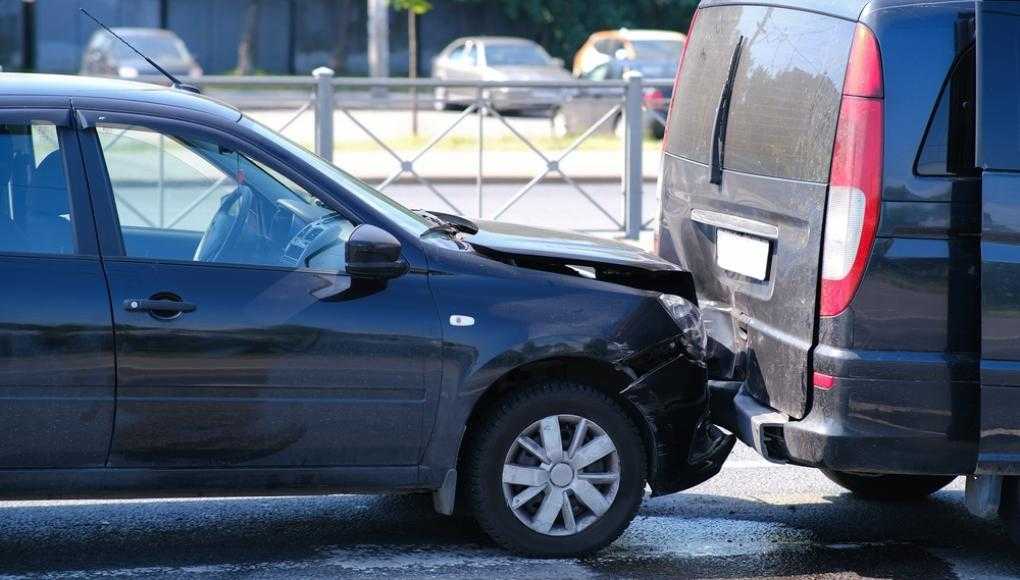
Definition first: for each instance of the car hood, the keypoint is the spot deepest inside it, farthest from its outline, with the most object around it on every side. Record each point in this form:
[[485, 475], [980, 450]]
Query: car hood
[[567, 247]]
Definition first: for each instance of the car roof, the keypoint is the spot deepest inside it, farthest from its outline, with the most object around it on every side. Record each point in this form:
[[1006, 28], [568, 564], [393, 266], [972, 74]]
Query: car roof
[[137, 31], [22, 87], [642, 34], [849, 9], [492, 39]]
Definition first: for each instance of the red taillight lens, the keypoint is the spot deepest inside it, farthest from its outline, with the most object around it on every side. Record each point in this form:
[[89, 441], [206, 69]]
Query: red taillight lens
[[823, 381], [676, 81], [855, 182]]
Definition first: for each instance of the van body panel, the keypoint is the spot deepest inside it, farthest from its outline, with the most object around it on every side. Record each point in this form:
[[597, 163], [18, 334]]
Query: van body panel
[[775, 177], [998, 154]]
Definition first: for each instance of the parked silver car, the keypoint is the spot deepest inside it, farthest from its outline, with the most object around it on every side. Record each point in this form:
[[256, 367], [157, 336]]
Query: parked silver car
[[499, 59], [105, 56]]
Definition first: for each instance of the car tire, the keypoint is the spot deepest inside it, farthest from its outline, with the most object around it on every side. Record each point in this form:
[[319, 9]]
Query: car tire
[[531, 519], [560, 125], [439, 100], [889, 487], [658, 130]]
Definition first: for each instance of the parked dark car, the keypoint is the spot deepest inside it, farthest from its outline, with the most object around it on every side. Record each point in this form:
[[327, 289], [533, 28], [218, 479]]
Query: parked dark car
[[106, 56], [197, 306], [587, 106], [841, 179]]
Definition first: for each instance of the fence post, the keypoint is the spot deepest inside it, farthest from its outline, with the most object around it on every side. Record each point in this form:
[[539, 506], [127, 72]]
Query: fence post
[[633, 158], [324, 102]]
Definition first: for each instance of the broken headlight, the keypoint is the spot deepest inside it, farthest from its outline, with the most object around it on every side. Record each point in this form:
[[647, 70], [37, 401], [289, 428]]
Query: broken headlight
[[687, 317]]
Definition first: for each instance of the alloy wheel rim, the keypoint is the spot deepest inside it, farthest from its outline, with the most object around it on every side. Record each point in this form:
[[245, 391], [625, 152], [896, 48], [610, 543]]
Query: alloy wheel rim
[[561, 475]]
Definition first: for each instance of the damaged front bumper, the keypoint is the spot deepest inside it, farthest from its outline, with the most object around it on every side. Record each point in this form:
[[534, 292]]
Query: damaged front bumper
[[688, 448]]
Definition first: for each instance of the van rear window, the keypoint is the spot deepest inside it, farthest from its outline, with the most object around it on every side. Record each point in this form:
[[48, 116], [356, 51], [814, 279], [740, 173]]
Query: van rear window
[[948, 148], [786, 94]]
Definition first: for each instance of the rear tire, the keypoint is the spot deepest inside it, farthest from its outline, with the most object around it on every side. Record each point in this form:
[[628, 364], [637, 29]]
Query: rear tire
[[560, 125], [586, 503], [439, 100], [888, 487]]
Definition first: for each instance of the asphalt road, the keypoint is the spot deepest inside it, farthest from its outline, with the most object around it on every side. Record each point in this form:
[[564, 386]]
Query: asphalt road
[[754, 520]]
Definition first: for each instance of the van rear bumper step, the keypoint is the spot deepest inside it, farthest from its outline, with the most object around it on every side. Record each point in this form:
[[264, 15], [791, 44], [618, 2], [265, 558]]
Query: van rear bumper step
[[757, 426], [839, 433]]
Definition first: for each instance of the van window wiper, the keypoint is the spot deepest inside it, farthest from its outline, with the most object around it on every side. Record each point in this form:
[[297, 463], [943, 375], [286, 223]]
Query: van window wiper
[[722, 116]]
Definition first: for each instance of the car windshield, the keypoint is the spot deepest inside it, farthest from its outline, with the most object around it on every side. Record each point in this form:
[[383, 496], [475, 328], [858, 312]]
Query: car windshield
[[515, 55], [658, 49], [398, 214], [154, 46]]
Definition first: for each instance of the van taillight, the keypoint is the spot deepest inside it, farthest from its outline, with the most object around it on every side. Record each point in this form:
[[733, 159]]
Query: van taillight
[[855, 181], [676, 81]]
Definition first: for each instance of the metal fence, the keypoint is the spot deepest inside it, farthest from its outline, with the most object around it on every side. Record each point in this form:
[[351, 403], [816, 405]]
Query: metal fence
[[327, 98]]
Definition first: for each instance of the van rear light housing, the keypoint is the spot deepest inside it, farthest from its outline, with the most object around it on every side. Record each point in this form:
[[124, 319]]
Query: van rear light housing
[[855, 181]]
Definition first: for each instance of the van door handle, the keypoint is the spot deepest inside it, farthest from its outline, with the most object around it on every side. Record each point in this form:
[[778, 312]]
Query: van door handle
[[158, 306]]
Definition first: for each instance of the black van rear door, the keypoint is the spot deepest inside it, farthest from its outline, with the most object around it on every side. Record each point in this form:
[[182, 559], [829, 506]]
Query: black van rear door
[[998, 155], [753, 238]]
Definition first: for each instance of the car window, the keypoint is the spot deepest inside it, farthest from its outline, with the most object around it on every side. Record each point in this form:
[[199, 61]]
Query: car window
[[155, 46], [407, 220], [948, 147], [599, 73], [457, 55], [607, 46], [999, 103], [786, 93], [658, 49], [515, 55], [179, 198], [36, 208]]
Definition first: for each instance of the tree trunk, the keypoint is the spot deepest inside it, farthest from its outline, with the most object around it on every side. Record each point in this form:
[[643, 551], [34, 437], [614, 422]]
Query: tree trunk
[[249, 35], [412, 66], [343, 15]]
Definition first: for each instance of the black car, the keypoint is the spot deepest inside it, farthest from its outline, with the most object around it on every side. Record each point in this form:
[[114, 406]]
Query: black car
[[587, 106], [841, 178], [196, 306]]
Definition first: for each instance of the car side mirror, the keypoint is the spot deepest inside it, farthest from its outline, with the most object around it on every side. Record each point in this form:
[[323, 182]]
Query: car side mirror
[[559, 63], [373, 252]]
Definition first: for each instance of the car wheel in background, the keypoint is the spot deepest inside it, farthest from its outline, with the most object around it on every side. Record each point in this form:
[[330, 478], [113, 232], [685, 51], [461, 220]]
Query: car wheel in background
[[658, 130], [887, 486], [439, 99], [560, 127], [556, 470], [620, 126]]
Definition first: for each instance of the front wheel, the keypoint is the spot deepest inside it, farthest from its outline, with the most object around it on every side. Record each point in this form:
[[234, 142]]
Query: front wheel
[[556, 470], [889, 487]]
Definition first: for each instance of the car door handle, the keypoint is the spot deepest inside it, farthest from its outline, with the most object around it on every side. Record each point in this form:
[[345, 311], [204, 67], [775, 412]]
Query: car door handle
[[172, 307]]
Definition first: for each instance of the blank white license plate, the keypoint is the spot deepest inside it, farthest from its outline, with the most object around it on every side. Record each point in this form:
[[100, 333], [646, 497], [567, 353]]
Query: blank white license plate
[[745, 255]]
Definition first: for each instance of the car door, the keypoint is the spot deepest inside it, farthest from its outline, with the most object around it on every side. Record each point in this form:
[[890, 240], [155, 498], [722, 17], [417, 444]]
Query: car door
[[243, 357], [56, 337], [998, 155]]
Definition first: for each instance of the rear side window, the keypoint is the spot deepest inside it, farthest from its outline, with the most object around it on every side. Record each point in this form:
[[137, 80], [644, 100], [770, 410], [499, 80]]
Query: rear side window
[[948, 148], [786, 93], [35, 208]]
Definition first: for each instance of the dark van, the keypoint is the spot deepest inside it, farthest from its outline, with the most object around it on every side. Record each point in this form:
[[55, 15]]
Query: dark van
[[842, 181]]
